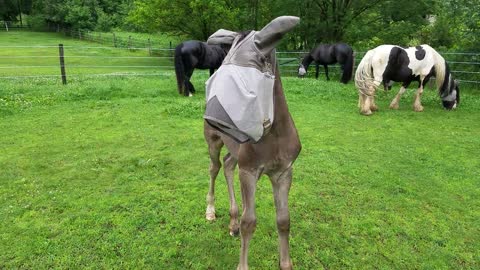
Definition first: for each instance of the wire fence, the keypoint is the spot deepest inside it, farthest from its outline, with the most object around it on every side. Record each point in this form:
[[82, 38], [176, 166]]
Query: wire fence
[[130, 59]]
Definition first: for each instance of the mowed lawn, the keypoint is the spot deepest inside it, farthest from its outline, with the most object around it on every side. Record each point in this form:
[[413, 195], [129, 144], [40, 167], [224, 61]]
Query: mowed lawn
[[113, 173]]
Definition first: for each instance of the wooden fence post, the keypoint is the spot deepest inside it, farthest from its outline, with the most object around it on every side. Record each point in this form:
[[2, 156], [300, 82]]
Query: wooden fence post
[[114, 41], [62, 64], [129, 42], [149, 47]]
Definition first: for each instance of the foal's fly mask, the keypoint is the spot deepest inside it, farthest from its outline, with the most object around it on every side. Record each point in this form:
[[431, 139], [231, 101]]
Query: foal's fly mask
[[240, 94]]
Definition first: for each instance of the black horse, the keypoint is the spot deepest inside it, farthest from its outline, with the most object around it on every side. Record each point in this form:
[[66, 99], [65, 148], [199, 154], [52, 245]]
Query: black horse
[[193, 54], [329, 54]]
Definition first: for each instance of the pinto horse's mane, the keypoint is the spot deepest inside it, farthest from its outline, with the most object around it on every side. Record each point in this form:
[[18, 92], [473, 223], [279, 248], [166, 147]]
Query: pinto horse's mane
[[442, 72]]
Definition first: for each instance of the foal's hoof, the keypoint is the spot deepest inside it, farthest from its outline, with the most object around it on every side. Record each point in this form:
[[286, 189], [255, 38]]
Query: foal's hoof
[[235, 232], [367, 113], [210, 216], [394, 106], [286, 266], [374, 108], [418, 108]]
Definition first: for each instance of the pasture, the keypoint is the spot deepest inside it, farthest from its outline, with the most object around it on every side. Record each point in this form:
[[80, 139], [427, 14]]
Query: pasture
[[113, 173]]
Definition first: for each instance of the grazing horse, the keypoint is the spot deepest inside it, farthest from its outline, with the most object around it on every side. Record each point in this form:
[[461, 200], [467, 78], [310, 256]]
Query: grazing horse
[[272, 155], [193, 54], [388, 63], [329, 54]]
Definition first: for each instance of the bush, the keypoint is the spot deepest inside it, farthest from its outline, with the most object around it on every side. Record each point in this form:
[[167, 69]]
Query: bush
[[37, 22]]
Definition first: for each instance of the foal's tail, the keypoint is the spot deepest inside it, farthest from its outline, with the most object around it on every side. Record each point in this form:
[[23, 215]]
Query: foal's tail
[[364, 75], [179, 69], [348, 68]]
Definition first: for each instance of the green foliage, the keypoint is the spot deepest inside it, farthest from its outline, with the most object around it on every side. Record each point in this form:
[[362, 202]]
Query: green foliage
[[452, 25], [83, 14], [196, 18], [10, 10]]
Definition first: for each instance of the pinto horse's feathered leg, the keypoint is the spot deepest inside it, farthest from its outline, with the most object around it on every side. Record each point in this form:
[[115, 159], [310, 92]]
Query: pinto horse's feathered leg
[[396, 100], [417, 104]]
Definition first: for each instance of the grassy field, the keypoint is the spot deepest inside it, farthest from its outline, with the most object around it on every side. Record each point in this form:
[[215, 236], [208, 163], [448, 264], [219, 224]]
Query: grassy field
[[36, 53], [113, 173]]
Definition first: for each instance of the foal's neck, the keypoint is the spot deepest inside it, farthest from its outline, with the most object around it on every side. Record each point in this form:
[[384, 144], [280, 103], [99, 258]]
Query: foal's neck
[[282, 118]]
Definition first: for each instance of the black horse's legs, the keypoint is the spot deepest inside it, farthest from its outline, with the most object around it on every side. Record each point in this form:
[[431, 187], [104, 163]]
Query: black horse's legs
[[326, 72], [188, 85], [317, 68]]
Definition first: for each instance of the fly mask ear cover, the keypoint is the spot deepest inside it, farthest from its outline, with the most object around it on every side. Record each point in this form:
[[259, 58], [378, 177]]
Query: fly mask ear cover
[[240, 94], [222, 36]]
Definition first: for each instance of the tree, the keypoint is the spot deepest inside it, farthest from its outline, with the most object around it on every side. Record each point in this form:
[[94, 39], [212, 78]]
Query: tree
[[82, 14], [11, 9], [195, 18]]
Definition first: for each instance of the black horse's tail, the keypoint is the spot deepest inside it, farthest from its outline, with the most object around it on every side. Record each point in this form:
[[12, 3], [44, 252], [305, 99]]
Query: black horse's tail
[[348, 67], [179, 69]]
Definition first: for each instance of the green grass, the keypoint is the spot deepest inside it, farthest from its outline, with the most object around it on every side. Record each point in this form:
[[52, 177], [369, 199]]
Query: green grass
[[113, 173], [159, 40]]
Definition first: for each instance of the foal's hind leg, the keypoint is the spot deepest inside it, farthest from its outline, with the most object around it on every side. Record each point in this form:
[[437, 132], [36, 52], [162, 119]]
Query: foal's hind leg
[[214, 147], [230, 163]]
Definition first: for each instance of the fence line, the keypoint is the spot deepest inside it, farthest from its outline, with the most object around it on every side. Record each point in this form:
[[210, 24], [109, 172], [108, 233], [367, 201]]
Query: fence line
[[286, 63], [83, 75]]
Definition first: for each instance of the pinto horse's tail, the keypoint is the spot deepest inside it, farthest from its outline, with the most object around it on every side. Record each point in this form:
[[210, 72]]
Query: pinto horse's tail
[[364, 75], [180, 70], [348, 67]]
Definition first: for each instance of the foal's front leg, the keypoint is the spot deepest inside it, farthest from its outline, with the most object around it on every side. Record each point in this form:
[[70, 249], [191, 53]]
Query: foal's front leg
[[281, 187], [229, 170], [248, 223]]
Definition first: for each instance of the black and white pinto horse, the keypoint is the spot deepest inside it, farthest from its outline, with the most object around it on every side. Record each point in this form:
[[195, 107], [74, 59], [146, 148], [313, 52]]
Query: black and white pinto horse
[[193, 54], [329, 54], [388, 63]]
